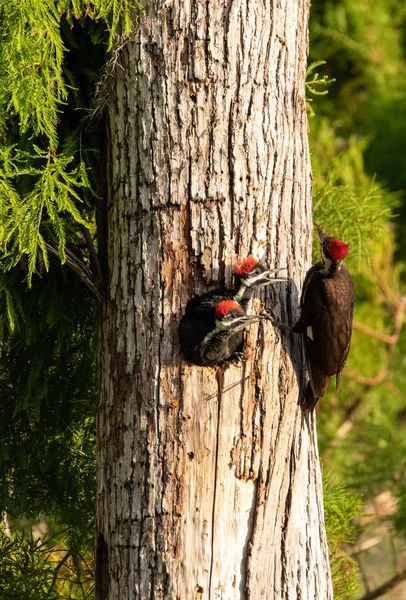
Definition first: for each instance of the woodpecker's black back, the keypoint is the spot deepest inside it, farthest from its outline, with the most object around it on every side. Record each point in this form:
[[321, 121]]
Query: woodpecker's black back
[[327, 305], [204, 305]]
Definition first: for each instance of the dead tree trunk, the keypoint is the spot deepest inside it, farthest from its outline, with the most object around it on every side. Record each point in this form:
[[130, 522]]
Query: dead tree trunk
[[208, 479]]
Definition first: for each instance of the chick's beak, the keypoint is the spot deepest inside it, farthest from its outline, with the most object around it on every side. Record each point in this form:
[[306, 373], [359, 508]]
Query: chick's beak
[[268, 276]]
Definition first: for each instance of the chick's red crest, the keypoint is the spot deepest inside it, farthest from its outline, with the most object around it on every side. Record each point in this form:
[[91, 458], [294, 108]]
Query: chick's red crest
[[338, 249], [245, 266], [225, 306]]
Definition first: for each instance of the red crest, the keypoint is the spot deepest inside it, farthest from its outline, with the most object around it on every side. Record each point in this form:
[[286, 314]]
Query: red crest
[[338, 249], [245, 266], [224, 307]]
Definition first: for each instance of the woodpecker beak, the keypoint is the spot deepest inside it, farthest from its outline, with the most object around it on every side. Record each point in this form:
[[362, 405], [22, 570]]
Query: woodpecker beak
[[236, 324], [267, 277], [322, 235]]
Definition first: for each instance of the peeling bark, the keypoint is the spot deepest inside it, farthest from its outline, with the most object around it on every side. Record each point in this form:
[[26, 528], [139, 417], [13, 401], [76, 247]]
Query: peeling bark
[[208, 478]]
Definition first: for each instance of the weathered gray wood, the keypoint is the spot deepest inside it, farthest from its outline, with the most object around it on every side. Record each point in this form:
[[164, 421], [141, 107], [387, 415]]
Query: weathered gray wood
[[208, 480]]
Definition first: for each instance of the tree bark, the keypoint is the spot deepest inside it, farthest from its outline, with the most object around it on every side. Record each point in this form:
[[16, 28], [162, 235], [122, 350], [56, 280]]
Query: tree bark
[[209, 483]]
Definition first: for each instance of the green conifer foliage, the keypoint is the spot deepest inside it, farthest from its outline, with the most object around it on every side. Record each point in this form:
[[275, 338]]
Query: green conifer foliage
[[42, 166], [51, 55], [341, 508], [26, 571]]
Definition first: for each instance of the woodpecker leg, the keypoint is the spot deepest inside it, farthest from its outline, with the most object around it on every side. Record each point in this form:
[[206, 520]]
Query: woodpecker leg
[[277, 323]]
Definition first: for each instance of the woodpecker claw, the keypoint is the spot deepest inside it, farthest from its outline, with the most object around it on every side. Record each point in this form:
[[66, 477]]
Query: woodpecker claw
[[238, 357], [277, 323]]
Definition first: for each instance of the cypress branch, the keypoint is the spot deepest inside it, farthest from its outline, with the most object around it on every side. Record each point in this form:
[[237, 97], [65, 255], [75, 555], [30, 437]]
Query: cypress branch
[[79, 267]]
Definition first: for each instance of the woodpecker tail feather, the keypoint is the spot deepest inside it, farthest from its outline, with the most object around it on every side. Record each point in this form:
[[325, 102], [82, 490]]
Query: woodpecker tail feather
[[338, 380], [308, 401]]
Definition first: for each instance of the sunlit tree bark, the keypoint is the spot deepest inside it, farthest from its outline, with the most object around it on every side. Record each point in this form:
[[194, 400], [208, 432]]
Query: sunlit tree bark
[[208, 478]]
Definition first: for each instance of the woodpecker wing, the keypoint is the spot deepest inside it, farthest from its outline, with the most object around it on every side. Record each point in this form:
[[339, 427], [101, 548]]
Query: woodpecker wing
[[312, 304], [347, 312], [311, 301], [220, 346], [340, 308], [309, 310], [316, 320], [344, 359], [326, 322], [318, 379]]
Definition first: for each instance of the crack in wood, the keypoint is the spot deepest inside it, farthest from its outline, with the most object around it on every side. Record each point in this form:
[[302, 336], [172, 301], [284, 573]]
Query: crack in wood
[[220, 384], [288, 506]]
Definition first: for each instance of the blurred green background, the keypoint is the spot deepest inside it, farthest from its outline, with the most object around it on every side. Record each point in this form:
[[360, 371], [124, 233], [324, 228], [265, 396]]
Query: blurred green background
[[358, 145]]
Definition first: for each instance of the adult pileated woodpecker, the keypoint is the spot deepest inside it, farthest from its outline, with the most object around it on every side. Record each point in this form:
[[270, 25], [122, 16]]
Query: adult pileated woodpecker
[[327, 305], [207, 334]]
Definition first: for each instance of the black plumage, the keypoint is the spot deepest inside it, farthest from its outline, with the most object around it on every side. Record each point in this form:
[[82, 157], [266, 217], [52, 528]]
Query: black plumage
[[211, 332], [207, 334], [327, 305]]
